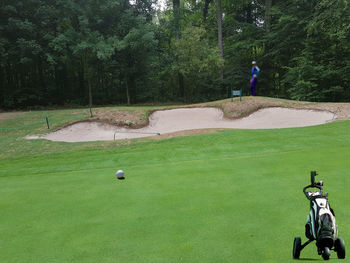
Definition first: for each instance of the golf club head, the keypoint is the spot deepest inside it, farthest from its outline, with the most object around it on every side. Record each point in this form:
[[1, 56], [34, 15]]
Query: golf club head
[[320, 183]]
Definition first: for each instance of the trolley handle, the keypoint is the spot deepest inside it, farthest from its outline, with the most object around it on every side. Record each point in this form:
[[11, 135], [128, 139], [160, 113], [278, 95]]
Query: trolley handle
[[312, 186]]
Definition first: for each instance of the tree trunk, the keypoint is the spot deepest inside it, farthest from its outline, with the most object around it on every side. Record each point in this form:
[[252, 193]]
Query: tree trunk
[[267, 20], [41, 76], [2, 86], [249, 13], [181, 85], [205, 9], [90, 93], [127, 89], [219, 13], [88, 77], [81, 90], [176, 10]]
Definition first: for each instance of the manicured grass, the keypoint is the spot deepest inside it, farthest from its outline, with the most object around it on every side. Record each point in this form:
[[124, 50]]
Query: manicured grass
[[13, 131], [232, 196]]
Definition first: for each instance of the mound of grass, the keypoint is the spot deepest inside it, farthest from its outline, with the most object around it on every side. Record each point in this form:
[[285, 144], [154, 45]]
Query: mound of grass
[[232, 196], [14, 144]]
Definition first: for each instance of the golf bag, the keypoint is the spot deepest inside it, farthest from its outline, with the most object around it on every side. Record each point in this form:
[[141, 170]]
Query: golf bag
[[320, 225]]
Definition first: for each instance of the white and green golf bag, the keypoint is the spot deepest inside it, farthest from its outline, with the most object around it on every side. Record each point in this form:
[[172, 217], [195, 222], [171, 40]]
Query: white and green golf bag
[[320, 224]]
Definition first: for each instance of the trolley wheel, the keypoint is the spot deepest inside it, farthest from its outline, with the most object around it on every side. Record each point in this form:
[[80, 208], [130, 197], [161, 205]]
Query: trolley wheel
[[339, 247], [296, 247], [326, 253]]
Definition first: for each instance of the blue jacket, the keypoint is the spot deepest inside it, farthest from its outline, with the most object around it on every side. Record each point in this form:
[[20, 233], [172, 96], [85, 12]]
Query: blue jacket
[[255, 71]]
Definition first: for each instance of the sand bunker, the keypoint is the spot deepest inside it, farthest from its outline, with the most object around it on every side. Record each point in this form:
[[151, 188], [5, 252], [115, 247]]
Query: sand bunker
[[168, 121]]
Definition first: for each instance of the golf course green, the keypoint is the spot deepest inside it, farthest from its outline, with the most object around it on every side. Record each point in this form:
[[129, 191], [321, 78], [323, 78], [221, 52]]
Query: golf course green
[[229, 196]]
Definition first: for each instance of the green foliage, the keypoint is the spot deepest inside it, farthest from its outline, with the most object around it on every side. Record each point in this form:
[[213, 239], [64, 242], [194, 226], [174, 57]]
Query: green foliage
[[194, 52], [308, 43], [53, 52], [196, 59], [55, 49]]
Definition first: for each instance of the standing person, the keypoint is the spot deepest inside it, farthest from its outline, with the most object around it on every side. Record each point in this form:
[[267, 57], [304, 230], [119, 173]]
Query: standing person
[[254, 78]]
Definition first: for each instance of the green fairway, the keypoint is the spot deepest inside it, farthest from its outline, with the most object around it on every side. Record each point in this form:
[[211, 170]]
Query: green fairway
[[232, 196]]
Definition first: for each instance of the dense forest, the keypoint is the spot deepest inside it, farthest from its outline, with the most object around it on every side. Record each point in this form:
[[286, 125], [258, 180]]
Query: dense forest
[[81, 52]]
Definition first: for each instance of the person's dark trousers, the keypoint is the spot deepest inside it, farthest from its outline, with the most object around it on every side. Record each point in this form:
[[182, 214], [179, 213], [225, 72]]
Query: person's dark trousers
[[253, 83], [253, 90]]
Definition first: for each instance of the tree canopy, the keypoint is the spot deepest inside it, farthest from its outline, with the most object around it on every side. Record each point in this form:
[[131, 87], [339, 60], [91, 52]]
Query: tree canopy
[[74, 52]]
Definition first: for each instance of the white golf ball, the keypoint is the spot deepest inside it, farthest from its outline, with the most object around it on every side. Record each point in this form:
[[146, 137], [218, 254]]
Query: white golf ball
[[120, 174]]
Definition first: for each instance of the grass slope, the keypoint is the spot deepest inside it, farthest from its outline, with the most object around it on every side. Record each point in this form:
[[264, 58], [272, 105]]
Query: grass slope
[[13, 143], [232, 196]]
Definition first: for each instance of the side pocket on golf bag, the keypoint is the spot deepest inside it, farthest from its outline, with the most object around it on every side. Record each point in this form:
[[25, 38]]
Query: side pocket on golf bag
[[326, 226]]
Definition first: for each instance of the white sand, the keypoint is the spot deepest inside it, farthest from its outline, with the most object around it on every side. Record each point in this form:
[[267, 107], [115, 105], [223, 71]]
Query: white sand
[[168, 121]]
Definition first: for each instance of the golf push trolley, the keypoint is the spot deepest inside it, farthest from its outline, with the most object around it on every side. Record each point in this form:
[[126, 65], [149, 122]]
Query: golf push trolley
[[320, 225]]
